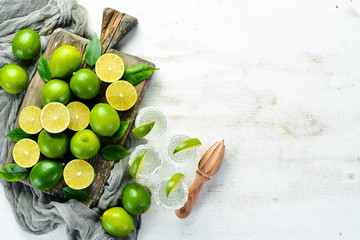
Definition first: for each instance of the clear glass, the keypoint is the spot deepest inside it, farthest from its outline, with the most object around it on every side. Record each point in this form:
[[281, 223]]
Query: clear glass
[[176, 199], [150, 114], [152, 160], [181, 158]]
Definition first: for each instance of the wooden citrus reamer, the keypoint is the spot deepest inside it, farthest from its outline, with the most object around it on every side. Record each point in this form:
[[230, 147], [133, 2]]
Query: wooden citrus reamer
[[208, 166]]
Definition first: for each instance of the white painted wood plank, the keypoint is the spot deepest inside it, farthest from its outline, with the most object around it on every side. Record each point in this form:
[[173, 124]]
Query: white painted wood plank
[[279, 82]]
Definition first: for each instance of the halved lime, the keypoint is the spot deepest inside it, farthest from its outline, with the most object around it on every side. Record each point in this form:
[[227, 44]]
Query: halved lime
[[137, 165], [143, 130], [109, 67], [174, 183], [121, 95], [55, 117], [26, 153], [187, 145], [79, 116], [78, 174], [29, 119]]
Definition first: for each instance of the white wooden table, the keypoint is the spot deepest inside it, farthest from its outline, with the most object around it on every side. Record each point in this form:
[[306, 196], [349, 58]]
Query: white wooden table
[[279, 81]]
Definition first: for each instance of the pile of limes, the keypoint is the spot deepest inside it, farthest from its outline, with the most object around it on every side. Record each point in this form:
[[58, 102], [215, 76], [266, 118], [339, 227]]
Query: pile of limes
[[25, 46], [65, 124], [59, 114]]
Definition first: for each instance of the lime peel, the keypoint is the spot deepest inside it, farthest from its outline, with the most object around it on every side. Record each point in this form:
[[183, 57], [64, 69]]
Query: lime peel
[[137, 165], [173, 183], [187, 145], [143, 130]]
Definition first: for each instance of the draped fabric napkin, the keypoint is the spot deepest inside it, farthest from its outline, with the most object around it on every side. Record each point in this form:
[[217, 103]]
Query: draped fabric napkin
[[35, 211]]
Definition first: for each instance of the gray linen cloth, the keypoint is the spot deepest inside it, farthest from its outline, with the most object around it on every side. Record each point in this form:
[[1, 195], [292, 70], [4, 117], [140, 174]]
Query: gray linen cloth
[[35, 211]]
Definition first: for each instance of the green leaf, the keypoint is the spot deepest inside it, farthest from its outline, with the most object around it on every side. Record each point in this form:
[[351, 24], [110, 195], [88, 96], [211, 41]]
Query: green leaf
[[121, 132], [114, 152], [17, 134], [79, 195], [138, 73], [44, 69], [93, 51], [13, 172]]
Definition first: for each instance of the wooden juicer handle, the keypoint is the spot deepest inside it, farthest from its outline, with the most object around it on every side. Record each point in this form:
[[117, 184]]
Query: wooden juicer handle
[[115, 26], [194, 192], [208, 166]]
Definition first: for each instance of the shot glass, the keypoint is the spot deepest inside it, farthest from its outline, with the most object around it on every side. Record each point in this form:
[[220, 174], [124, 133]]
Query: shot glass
[[181, 158], [175, 200], [152, 160], [150, 114]]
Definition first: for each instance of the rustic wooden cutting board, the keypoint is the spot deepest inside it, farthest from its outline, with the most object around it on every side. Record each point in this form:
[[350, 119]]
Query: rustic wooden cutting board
[[115, 26]]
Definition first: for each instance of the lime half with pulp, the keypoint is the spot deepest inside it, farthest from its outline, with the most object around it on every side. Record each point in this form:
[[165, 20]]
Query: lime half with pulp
[[187, 145], [143, 130], [137, 165], [174, 183]]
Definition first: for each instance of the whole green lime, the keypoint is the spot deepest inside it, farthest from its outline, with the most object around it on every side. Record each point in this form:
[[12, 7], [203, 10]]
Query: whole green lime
[[104, 119], [136, 198], [84, 144], [53, 145], [64, 61], [46, 174], [117, 222], [85, 84], [56, 91], [26, 44], [13, 78]]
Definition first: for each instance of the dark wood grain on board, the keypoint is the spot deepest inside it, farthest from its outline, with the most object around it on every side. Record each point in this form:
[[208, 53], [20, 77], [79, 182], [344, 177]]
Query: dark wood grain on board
[[115, 26]]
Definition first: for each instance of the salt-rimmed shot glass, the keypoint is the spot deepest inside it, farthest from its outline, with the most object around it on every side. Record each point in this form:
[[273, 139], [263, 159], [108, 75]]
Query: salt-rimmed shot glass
[[175, 200], [178, 159], [152, 160], [150, 114]]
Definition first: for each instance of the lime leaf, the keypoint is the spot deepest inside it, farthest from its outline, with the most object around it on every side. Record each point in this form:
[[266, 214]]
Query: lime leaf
[[121, 132], [114, 152], [44, 69], [138, 73], [79, 195], [143, 130], [93, 51], [13, 172], [17, 134]]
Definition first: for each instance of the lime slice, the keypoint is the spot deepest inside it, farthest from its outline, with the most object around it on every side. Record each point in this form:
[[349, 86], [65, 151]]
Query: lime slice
[[137, 165], [109, 67], [174, 183], [78, 174], [26, 153], [79, 116], [55, 117], [187, 145], [29, 119], [143, 130], [121, 95]]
